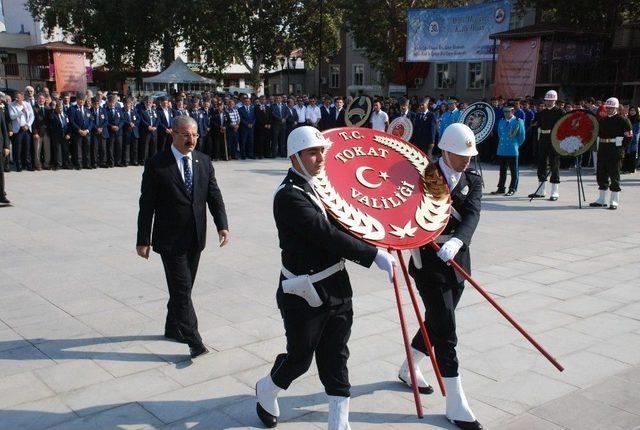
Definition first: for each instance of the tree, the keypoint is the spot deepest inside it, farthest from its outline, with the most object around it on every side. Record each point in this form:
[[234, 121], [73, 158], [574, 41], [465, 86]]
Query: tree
[[380, 28]]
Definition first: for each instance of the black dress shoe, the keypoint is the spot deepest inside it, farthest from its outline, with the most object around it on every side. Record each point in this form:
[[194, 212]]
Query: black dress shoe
[[553, 198], [510, 193], [175, 336], [467, 425], [267, 419], [197, 351], [536, 196], [422, 390], [498, 192], [598, 205], [4, 201]]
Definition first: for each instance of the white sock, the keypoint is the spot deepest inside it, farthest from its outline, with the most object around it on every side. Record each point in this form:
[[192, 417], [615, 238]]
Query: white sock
[[338, 413]]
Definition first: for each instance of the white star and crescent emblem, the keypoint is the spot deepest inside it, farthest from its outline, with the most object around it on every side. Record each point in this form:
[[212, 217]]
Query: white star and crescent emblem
[[360, 177]]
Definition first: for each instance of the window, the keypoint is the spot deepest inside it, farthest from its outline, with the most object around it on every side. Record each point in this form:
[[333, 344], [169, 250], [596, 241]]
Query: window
[[442, 75], [334, 76], [358, 74], [474, 76]]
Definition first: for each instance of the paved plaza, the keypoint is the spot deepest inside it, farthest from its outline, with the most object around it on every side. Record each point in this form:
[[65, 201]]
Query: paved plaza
[[81, 316]]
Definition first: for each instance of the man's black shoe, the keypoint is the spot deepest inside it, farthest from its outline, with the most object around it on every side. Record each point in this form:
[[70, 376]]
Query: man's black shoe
[[267, 419], [4, 201], [498, 192], [468, 425], [197, 351]]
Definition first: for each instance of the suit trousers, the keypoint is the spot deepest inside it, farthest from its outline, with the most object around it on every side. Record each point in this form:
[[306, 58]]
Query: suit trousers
[[278, 140], [114, 150], [82, 151], [21, 149], [548, 161], [608, 168], [323, 331], [246, 142], [512, 164], [130, 149], [147, 145], [440, 301], [180, 271], [42, 146], [2, 192]]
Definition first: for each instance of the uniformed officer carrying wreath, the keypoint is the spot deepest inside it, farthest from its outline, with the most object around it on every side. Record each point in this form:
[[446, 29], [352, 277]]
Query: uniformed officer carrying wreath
[[314, 293], [549, 161], [439, 285], [614, 128]]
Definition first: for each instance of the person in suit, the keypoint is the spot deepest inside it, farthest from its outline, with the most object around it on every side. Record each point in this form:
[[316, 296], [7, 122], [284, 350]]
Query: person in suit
[[180, 108], [178, 184], [21, 115], [148, 130], [439, 285], [218, 123], [115, 123], [232, 129], [130, 134], [41, 140], [4, 153], [201, 116], [337, 114], [247, 124], [279, 113], [60, 132], [5, 102], [325, 115], [292, 116], [262, 129], [99, 133], [165, 119], [81, 124], [425, 127], [405, 110], [314, 291]]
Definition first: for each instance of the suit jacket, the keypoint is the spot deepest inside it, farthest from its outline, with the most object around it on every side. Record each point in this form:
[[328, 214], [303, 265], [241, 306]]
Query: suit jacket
[[466, 200], [114, 118], [339, 121], [130, 117], [325, 118], [148, 118], [425, 128], [41, 119], [162, 120], [311, 242], [4, 132], [263, 116], [58, 130], [215, 123], [78, 120], [247, 116], [99, 118], [201, 117], [179, 220], [279, 114], [292, 117]]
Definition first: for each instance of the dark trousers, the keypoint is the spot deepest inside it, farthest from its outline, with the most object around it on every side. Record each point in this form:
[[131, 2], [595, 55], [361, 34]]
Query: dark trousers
[[440, 301], [22, 149], [147, 145], [548, 161], [608, 168], [83, 147], [64, 151], [164, 140], [180, 271], [101, 146], [114, 155], [512, 164], [130, 149], [232, 142], [323, 331], [278, 140], [2, 192], [246, 142], [630, 161]]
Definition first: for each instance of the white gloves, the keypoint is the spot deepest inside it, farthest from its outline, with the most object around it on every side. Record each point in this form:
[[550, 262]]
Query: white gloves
[[417, 258], [385, 261], [619, 140], [449, 249]]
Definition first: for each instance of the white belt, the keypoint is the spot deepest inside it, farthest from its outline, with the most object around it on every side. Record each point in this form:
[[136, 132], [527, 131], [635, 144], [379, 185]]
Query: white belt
[[331, 270], [545, 131], [607, 140]]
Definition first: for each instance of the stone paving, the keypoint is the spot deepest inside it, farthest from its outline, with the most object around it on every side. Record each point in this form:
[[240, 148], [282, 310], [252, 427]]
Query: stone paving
[[81, 316]]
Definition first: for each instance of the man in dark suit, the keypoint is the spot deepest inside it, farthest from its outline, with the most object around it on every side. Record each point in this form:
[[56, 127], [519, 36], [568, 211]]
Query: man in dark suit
[[262, 129], [115, 124], [131, 120], [81, 124], [279, 113], [59, 130], [337, 114], [424, 129], [247, 124], [41, 140], [148, 130], [292, 116], [325, 115], [4, 153], [165, 118], [99, 133], [177, 186], [218, 122]]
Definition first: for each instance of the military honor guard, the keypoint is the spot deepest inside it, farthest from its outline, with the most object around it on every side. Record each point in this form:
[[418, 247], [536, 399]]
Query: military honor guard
[[314, 292], [614, 128], [439, 285], [511, 135], [548, 160]]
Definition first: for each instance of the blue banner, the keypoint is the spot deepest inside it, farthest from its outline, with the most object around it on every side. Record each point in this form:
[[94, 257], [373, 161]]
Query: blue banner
[[457, 34]]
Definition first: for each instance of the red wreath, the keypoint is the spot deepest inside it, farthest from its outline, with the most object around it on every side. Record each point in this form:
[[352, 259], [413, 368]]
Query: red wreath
[[577, 124]]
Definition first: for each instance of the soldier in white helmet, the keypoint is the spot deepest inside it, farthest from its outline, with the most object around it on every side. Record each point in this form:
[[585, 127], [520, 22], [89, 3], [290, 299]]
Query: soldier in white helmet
[[548, 161], [440, 286], [614, 130], [314, 293]]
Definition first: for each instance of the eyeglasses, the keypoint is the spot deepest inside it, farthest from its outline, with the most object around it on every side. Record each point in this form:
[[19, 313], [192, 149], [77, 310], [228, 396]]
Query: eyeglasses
[[188, 135]]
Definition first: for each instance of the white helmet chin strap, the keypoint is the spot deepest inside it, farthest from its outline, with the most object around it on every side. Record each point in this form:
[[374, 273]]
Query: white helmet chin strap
[[304, 173]]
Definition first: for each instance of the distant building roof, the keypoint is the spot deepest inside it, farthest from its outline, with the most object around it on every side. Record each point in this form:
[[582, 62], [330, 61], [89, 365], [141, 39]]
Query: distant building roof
[[59, 46], [178, 73], [545, 29]]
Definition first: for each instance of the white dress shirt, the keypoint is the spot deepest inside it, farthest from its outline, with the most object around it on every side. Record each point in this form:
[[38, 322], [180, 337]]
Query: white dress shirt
[[451, 175], [379, 120], [21, 115], [166, 115], [313, 114], [179, 156], [301, 110]]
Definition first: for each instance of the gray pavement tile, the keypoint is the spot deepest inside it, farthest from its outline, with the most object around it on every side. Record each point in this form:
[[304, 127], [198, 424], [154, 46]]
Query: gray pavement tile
[[576, 411], [526, 422], [21, 388], [605, 325], [548, 276], [127, 416], [209, 420], [227, 337], [619, 393], [22, 359], [630, 311], [37, 415], [71, 375], [624, 348], [563, 341], [585, 306], [9, 339], [57, 328]]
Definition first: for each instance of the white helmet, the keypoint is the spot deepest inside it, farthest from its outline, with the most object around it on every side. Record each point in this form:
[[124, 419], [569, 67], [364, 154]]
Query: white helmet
[[551, 95], [612, 102], [305, 137], [458, 139]]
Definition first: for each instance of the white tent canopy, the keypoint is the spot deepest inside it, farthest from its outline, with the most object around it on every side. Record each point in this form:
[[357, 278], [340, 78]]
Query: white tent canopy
[[177, 73]]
